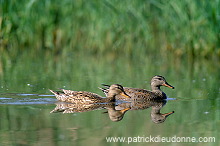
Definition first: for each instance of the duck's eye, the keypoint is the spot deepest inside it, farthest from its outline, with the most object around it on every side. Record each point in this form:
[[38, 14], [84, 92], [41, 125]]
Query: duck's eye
[[159, 78], [120, 88]]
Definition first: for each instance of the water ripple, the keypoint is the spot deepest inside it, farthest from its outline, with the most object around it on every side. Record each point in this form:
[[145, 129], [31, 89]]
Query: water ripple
[[23, 99]]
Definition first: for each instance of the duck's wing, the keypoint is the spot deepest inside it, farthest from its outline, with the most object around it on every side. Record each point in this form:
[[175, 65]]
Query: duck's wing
[[126, 89], [81, 97], [131, 90], [81, 94]]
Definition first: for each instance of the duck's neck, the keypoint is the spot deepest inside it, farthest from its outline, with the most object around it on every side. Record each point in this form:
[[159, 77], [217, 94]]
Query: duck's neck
[[156, 109], [158, 91], [110, 98], [155, 88]]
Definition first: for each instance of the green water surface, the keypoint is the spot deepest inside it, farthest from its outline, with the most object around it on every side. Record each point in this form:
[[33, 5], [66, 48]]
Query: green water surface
[[26, 101]]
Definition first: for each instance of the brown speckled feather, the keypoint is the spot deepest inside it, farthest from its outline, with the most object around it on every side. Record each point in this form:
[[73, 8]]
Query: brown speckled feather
[[78, 97], [84, 97]]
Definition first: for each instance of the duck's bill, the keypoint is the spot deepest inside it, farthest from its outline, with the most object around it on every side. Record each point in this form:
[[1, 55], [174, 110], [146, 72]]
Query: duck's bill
[[168, 85], [124, 94], [167, 114], [124, 110]]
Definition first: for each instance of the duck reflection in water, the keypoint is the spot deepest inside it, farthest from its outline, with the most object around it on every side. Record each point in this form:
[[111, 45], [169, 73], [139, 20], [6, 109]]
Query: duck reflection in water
[[157, 105], [156, 116], [76, 108], [114, 115], [117, 112]]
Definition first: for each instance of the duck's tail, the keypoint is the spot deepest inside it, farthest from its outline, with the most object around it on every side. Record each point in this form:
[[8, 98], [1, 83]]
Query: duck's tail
[[54, 92], [105, 91], [105, 85], [58, 95]]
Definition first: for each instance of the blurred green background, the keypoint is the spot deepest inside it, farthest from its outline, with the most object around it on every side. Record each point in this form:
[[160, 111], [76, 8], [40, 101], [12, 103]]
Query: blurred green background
[[111, 27], [96, 41]]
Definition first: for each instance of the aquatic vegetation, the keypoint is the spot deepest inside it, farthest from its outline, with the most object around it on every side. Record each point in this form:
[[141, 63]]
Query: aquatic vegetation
[[132, 28]]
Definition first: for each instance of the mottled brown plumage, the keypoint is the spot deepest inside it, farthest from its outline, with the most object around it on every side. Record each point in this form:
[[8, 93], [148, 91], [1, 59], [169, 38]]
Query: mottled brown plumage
[[84, 97]]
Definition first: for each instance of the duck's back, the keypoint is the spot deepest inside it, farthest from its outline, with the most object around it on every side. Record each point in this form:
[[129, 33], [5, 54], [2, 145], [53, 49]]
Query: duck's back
[[141, 94], [135, 94], [81, 96], [131, 90]]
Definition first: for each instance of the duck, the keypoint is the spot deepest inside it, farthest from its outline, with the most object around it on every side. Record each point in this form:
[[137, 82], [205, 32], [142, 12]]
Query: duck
[[138, 93], [84, 97]]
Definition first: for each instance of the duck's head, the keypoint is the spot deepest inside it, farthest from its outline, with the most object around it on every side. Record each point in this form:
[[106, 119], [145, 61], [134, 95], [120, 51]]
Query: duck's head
[[116, 89], [117, 115], [158, 81], [160, 118]]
